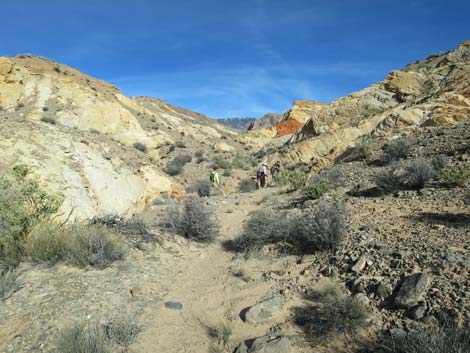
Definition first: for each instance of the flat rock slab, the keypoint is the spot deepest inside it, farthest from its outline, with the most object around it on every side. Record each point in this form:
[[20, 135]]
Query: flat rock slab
[[411, 290], [174, 305], [265, 344], [263, 311]]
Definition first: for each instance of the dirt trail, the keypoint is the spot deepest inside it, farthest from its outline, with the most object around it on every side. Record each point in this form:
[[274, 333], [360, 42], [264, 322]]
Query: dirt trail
[[202, 280]]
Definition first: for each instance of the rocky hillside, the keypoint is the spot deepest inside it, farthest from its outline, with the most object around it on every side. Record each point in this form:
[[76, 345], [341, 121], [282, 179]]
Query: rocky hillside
[[241, 124], [83, 137], [435, 91], [265, 121]]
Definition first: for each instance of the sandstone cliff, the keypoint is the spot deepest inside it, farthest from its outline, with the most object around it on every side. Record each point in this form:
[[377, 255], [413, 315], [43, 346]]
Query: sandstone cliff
[[435, 91], [77, 133]]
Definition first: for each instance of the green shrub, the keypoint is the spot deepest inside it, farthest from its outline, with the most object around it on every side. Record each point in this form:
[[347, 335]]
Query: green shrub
[[83, 338], [319, 229], [221, 162], [23, 205], [176, 165], [335, 313], [295, 179], [227, 172], [447, 339], [457, 176], [140, 147], [48, 120], [92, 245], [199, 154], [201, 187], [395, 150], [194, 220], [317, 189], [408, 175], [364, 148], [240, 162], [8, 283], [247, 185]]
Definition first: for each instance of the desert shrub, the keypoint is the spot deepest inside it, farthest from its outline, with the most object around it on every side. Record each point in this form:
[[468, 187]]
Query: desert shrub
[[466, 197], [317, 189], [201, 187], [221, 162], [140, 147], [199, 160], [135, 230], [199, 154], [336, 312], [8, 283], [321, 229], [335, 176], [46, 244], [48, 120], [83, 338], [395, 150], [227, 172], [447, 339], [194, 220], [457, 176], [247, 185], [23, 205], [265, 227], [295, 179], [92, 245], [364, 148], [412, 174], [240, 162], [176, 165], [121, 330]]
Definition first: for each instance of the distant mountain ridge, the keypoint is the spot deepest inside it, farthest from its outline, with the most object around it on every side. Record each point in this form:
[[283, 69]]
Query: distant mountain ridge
[[237, 123]]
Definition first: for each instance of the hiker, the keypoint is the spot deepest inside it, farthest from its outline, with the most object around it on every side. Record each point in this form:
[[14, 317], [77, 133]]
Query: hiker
[[215, 179], [261, 176], [275, 170]]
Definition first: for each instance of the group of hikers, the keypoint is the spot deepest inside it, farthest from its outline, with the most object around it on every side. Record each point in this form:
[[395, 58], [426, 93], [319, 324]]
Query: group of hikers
[[261, 175]]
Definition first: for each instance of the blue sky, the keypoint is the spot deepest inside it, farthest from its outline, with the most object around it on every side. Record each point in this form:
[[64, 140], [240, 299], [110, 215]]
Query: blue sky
[[234, 58]]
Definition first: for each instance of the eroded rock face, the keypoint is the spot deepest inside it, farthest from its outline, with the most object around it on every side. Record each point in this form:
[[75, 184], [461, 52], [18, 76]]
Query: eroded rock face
[[432, 92]]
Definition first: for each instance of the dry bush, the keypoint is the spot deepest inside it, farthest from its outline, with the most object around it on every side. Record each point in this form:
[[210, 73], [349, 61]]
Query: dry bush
[[409, 175], [201, 187], [320, 229], [447, 339], [193, 220], [247, 185], [92, 245], [395, 150], [333, 311], [8, 283], [176, 165], [46, 244], [83, 338], [140, 147], [457, 176]]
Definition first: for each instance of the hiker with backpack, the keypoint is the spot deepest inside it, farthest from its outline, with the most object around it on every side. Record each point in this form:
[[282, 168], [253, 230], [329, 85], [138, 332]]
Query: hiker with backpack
[[215, 179], [261, 176], [275, 170]]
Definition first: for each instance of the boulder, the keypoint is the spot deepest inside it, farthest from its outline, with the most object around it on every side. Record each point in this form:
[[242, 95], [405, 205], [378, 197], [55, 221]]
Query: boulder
[[263, 311], [411, 290], [265, 344]]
